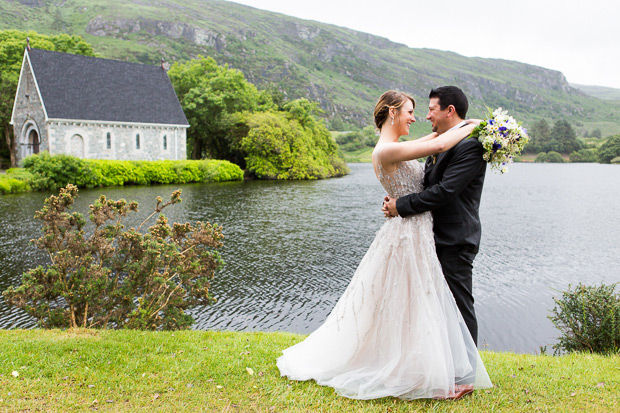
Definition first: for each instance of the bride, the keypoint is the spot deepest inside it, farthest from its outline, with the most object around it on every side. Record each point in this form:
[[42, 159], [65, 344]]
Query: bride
[[396, 330]]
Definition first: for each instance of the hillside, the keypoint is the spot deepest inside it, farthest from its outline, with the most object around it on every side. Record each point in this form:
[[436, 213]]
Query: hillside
[[599, 92], [343, 69]]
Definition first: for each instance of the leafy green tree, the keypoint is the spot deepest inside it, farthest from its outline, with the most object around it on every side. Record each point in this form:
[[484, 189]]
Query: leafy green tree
[[539, 134], [541, 157], [12, 46], [563, 138], [211, 95], [610, 149], [291, 145], [584, 155], [356, 140], [596, 133], [554, 157]]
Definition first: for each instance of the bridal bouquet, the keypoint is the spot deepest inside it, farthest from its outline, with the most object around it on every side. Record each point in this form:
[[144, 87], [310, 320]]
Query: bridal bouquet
[[502, 138]]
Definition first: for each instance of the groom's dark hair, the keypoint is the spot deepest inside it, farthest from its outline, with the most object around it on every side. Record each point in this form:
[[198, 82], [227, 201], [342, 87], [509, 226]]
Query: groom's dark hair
[[451, 95]]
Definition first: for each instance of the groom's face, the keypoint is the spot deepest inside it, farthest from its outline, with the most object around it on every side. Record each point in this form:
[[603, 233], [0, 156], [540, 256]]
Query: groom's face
[[438, 117]]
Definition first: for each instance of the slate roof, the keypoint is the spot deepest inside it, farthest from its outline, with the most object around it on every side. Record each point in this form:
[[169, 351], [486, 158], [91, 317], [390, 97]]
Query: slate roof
[[91, 88]]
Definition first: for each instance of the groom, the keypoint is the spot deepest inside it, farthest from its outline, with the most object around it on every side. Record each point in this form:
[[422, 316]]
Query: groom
[[452, 188]]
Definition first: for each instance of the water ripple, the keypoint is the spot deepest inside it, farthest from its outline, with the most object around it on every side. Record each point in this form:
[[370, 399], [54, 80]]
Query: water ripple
[[292, 247]]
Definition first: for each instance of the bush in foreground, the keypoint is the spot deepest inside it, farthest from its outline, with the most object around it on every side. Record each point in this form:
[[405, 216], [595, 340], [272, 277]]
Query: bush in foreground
[[588, 318], [117, 278]]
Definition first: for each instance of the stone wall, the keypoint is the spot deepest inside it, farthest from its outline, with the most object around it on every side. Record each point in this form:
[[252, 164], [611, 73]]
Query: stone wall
[[113, 141], [28, 115]]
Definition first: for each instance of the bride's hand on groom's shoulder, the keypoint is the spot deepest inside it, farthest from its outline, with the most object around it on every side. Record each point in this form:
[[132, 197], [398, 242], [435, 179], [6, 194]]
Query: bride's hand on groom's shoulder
[[474, 122]]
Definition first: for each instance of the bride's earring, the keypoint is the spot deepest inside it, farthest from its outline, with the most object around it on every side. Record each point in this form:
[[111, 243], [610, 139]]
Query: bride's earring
[[392, 121]]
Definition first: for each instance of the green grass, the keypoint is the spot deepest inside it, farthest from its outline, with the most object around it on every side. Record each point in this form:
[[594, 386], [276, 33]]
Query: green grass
[[362, 155], [79, 370]]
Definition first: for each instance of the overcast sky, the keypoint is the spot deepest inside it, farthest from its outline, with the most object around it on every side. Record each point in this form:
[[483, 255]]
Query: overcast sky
[[580, 39]]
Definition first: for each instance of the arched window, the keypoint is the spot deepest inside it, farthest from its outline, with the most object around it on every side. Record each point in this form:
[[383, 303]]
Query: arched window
[[137, 141], [108, 140], [77, 146], [165, 142]]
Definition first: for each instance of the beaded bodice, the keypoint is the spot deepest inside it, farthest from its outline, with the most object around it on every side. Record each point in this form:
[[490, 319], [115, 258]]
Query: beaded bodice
[[406, 179]]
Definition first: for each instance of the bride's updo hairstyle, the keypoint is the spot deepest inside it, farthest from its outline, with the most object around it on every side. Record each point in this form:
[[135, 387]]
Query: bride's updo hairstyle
[[390, 99]]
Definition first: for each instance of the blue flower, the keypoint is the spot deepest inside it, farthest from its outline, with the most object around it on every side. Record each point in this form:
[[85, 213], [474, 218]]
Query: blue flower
[[496, 146]]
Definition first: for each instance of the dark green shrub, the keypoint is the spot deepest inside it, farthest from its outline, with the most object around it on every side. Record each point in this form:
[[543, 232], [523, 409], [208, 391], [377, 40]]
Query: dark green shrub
[[588, 318], [61, 170], [554, 157], [584, 155], [117, 277], [541, 157], [610, 149]]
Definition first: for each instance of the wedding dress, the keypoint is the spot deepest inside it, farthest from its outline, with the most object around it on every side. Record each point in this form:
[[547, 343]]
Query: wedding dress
[[396, 330]]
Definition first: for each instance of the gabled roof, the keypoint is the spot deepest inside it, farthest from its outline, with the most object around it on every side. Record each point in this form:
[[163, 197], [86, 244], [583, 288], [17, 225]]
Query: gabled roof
[[94, 89]]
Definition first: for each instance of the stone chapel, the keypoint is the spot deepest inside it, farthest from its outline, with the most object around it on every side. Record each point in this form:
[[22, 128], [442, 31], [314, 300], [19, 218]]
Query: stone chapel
[[96, 108]]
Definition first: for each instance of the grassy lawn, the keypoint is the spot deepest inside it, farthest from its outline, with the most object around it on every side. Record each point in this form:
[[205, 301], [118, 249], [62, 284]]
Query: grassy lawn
[[81, 370]]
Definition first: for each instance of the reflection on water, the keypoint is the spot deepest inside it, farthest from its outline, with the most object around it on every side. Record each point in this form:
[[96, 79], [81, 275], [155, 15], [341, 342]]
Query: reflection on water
[[291, 247]]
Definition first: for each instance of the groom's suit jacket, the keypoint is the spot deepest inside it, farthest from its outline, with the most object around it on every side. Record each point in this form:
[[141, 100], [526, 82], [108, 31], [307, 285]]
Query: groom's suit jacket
[[452, 190]]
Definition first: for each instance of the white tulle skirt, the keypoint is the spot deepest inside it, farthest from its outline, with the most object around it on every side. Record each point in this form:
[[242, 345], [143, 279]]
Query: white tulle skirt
[[396, 330]]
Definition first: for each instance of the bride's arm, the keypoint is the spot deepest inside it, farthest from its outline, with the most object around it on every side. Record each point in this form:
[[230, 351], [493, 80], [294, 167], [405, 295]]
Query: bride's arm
[[419, 148]]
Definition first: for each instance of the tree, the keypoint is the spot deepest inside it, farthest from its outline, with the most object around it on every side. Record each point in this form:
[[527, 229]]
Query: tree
[[563, 138], [584, 155], [210, 96], [554, 157], [539, 135], [356, 140], [12, 46], [609, 150], [291, 144], [541, 157]]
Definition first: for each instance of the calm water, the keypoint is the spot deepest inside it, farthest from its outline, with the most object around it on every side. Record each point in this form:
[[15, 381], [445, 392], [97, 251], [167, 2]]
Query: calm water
[[291, 247]]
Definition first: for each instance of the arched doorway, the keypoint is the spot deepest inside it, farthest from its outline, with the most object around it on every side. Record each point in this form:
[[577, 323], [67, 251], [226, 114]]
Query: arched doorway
[[33, 141], [76, 147], [30, 141]]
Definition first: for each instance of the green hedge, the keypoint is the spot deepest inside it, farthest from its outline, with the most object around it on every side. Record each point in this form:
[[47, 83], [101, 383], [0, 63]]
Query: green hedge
[[10, 185], [50, 172]]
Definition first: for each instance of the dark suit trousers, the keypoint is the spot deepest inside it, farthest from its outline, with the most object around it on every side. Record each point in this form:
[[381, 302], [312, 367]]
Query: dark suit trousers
[[457, 263]]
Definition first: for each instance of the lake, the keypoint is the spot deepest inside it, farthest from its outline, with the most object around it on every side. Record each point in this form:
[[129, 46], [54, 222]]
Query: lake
[[292, 247]]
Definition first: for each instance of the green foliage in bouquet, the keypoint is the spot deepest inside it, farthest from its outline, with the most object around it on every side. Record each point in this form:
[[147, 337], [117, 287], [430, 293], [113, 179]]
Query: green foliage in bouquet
[[117, 277], [588, 318]]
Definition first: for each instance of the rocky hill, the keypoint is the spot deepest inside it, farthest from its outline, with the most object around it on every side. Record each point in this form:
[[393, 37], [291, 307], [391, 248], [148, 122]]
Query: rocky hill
[[343, 69]]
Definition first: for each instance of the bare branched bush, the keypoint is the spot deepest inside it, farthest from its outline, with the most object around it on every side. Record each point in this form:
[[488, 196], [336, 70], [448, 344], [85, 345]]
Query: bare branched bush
[[117, 277]]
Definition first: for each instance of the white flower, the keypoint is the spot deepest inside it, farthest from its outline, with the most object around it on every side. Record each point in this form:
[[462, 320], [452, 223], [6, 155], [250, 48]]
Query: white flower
[[15, 373]]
